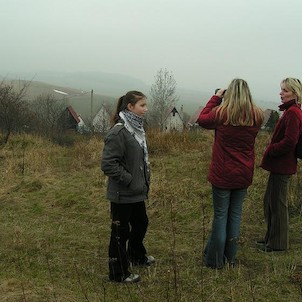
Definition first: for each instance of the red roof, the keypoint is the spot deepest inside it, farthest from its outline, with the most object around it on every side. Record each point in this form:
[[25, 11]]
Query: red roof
[[73, 114]]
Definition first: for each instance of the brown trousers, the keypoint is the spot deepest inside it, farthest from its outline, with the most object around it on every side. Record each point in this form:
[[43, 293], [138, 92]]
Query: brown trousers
[[276, 211]]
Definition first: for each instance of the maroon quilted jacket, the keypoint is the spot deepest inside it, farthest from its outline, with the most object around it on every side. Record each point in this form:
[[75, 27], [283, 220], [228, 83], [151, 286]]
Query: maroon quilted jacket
[[233, 158], [279, 157]]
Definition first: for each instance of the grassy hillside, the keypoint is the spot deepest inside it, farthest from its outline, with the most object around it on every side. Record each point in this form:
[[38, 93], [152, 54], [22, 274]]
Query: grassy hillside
[[111, 89], [80, 100], [108, 87], [55, 227]]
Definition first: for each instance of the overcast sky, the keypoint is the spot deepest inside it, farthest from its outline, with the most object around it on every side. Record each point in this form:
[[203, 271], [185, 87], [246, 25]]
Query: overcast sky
[[204, 43]]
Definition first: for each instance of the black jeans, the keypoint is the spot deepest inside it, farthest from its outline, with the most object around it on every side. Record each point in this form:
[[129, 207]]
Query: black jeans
[[129, 224]]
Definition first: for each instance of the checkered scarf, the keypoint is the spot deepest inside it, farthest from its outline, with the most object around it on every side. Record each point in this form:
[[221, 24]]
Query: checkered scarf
[[134, 124]]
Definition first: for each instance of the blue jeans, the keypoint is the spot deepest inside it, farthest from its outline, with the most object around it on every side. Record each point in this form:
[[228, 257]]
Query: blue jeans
[[223, 242]]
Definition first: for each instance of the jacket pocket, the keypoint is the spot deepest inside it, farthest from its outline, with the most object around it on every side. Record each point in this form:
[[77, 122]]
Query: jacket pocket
[[138, 183]]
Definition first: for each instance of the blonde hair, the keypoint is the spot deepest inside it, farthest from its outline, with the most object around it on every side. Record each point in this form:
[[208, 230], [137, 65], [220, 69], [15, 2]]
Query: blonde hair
[[294, 85], [238, 108]]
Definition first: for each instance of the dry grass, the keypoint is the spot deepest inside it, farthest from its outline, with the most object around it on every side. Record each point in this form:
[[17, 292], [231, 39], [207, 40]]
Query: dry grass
[[55, 227]]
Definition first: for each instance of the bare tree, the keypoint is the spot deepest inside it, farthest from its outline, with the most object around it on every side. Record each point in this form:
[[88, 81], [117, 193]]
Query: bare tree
[[13, 109], [162, 97], [47, 111]]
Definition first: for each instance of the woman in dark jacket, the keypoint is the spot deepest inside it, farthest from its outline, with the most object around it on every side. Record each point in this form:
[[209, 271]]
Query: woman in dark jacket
[[125, 162], [236, 121], [280, 160]]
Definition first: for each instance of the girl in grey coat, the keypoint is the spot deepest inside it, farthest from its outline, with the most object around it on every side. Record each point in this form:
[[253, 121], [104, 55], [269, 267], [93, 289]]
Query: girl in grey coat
[[125, 162]]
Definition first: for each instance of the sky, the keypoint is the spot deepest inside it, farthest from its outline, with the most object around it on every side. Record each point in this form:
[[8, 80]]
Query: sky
[[203, 43]]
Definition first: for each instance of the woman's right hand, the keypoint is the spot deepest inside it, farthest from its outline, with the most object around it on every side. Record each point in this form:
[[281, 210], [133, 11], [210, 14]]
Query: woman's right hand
[[220, 92]]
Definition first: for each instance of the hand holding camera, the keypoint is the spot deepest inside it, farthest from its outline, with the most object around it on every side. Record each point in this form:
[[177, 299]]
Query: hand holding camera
[[220, 92]]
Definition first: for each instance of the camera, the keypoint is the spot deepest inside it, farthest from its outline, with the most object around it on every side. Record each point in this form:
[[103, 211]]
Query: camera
[[219, 89]]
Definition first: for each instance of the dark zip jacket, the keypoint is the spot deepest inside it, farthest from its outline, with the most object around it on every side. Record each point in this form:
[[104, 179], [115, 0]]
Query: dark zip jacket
[[279, 157], [123, 162]]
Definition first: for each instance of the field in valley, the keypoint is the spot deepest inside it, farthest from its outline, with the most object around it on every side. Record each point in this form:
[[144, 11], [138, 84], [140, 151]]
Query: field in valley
[[55, 226]]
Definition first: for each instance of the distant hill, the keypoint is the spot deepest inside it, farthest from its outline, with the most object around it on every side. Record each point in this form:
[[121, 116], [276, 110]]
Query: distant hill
[[107, 87], [82, 101], [109, 84]]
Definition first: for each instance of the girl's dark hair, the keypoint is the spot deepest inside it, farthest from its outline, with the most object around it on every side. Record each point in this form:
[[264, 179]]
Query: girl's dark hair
[[131, 97]]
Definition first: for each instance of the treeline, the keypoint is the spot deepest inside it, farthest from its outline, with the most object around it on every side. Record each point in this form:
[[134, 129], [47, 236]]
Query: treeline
[[42, 116]]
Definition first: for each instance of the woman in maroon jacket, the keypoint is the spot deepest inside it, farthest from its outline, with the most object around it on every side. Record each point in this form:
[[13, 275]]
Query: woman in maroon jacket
[[279, 158], [236, 121]]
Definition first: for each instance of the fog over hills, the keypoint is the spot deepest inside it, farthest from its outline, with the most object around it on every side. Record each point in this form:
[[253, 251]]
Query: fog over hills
[[107, 87]]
